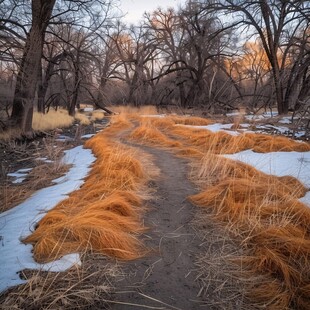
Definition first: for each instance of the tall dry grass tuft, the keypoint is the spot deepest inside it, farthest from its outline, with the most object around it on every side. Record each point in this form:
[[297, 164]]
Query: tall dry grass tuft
[[192, 120], [148, 134], [103, 216], [163, 123], [97, 115], [266, 143], [118, 123], [51, 120], [82, 118], [224, 143]]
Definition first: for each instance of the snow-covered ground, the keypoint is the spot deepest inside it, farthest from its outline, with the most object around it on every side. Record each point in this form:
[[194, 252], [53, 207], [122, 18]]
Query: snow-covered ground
[[217, 127], [20, 221], [296, 164]]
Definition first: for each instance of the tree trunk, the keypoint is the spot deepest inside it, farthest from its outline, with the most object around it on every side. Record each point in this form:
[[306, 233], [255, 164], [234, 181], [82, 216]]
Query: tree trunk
[[43, 83], [30, 64], [76, 88]]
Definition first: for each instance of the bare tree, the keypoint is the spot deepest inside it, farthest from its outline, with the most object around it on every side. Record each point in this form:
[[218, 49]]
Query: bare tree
[[85, 14], [30, 64], [192, 43], [278, 25], [136, 49]]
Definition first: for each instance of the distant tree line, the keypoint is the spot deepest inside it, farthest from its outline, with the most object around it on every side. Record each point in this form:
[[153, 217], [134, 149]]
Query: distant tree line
[[212, 55]]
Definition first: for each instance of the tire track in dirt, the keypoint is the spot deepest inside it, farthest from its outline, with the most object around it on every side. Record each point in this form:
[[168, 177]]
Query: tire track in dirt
[[165, 279]]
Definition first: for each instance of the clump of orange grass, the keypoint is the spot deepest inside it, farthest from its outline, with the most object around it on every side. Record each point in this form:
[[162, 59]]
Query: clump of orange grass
[[118, 123], [262, 212], [223, 143], [162, 123], [103, 216], [215, 142], [148, 134], [266, 143], [191, 120]]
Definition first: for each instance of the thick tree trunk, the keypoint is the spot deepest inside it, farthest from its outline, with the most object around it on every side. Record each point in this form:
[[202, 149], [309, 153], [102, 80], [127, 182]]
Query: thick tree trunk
[[100, 98], [282, 105], [28, 74]]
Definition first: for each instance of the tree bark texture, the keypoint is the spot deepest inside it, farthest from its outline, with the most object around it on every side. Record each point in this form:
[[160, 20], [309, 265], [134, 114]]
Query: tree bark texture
[[27, 77]]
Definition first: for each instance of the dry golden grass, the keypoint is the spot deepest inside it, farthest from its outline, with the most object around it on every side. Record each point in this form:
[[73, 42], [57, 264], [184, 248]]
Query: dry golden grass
[[103, 216], [51, 120], [129, 110], [97, 116], [191, 120], [10, 134], [150, 135], [77, 288], [224, 143], [118, 123], [266, 143], [163, 123], [259, 211], [82, 118], [264, 214]]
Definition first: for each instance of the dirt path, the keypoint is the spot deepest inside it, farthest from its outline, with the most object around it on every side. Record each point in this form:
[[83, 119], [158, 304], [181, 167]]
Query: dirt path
[[165, 279]]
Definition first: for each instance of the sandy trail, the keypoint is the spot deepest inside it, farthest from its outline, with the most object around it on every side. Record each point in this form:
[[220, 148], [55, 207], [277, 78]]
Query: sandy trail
[[165, 279]]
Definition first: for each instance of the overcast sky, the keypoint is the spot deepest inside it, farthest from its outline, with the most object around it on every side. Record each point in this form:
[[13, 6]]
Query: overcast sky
[[136, 8]]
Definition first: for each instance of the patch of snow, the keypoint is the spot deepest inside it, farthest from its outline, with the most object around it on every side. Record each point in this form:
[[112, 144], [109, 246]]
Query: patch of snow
[[257, 117], [19, 180], [89, 109], [20, 221], [299, 134], [87, 136], [62, 138], [217, 127], [16, 174], [270, 114], [48, 161], [254, 117], [286, 120], [20, 175], [234, 114], [246, 125], [24, 170], [280, 129], [296, 164]]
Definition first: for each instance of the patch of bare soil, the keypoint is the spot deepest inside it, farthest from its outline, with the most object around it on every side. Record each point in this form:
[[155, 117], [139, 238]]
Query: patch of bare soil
[[165, 279]]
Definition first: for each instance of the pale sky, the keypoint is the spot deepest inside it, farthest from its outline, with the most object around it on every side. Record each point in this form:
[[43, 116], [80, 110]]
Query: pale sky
[[136, 8]]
